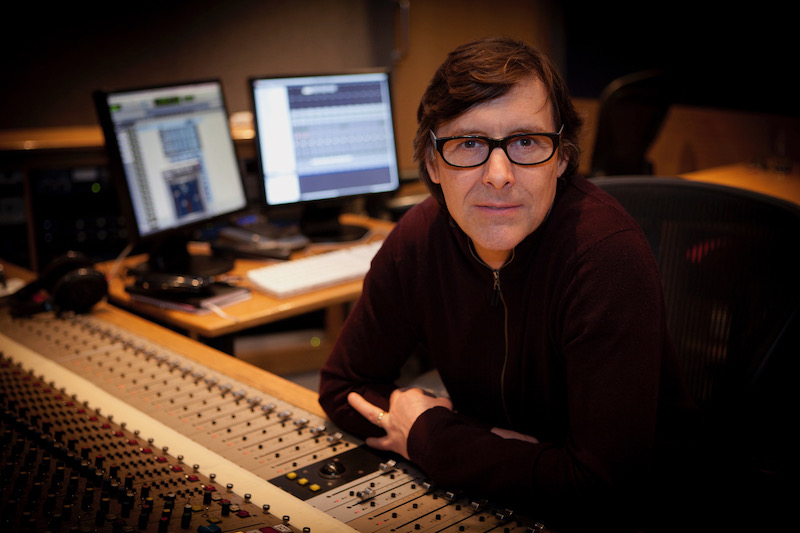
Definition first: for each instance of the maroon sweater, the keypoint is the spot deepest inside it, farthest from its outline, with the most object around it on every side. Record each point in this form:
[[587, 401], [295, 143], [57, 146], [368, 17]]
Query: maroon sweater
[[579, 326]]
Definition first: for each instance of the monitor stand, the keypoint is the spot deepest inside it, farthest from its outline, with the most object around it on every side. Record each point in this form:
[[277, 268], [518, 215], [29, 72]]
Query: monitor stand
[[322, 224], [171, 256]]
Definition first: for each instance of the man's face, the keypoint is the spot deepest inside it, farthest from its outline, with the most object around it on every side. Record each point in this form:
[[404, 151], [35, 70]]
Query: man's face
[[500, 203]]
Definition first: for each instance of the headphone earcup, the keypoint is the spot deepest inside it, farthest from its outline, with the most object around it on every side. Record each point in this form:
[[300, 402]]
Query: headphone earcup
[[78, 290], [71, 283], [60, 266]]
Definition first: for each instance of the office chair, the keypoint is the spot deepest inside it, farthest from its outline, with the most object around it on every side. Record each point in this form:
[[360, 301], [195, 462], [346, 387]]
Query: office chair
[[632, 111], [729, 265]]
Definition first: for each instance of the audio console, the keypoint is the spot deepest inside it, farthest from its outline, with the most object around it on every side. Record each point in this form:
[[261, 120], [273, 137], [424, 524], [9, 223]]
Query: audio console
[[104, 429]]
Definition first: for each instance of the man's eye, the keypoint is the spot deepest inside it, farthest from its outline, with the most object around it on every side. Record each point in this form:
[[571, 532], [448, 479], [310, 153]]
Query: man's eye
[[526, 142], [470, 144]]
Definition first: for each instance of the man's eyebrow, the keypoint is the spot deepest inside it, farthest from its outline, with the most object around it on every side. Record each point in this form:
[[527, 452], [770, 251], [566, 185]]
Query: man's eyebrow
[[466, 132]]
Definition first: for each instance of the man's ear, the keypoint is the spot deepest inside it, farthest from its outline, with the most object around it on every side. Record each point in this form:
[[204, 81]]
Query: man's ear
[[562, 165], [432, 170]]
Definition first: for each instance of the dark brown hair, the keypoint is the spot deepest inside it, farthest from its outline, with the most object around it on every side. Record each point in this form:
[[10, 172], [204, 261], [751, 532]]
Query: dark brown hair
[[483, 70]]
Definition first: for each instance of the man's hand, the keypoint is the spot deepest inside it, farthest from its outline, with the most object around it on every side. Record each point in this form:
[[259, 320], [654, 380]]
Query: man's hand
[[405, 406]]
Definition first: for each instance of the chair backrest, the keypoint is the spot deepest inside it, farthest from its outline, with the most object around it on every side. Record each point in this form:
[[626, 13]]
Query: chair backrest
[[729, 264], [728, 260], [632, 111]]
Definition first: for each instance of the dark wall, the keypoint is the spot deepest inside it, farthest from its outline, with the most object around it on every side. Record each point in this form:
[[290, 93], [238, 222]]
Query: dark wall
[[740, 57], [53, 57]]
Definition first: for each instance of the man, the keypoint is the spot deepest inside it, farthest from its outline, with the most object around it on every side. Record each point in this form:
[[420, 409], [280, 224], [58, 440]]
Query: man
[[533, 293]]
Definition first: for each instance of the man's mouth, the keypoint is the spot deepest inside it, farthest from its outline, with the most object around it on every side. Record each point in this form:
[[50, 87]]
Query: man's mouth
[[498, 207]]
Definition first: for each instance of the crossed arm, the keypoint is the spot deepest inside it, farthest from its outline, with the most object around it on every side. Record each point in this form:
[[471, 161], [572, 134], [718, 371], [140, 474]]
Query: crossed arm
[[405, 406]]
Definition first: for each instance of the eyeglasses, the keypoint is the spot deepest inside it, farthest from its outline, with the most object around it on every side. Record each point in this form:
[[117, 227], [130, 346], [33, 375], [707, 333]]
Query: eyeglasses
[[474, 150]]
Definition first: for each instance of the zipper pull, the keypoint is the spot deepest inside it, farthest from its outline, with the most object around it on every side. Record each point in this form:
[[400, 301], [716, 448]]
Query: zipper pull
[[497, 293]]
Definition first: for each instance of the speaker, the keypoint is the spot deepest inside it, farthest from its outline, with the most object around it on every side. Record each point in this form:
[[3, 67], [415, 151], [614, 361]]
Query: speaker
[[69, 283]]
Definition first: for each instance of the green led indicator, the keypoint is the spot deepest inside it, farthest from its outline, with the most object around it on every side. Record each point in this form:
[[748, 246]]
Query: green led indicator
[[170, 100]]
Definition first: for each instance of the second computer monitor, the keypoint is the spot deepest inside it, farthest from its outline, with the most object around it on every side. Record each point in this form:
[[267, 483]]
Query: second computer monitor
[[170, 147], [323, 140]]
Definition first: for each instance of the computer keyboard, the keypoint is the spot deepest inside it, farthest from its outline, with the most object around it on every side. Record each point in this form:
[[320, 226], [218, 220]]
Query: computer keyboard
[[314, 271]]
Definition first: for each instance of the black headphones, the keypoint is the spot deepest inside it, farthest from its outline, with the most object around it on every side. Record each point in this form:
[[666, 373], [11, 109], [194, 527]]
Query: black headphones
[[71, 284]]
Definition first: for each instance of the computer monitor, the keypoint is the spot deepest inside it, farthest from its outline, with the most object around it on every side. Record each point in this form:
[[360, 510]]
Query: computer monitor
[[321, 142], [172, 153]]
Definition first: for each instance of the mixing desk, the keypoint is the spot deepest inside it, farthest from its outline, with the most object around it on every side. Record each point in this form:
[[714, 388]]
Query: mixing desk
[[104, 429]]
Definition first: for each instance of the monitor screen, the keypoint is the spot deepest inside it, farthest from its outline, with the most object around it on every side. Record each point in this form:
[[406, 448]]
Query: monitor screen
[[175, 157], [324, 139]]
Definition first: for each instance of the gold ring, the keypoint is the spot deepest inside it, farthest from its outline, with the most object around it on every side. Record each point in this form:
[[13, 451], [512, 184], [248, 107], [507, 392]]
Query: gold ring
[[380, 417]]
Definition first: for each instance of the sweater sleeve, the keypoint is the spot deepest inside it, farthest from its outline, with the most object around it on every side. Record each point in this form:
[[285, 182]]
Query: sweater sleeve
[[372, 347]]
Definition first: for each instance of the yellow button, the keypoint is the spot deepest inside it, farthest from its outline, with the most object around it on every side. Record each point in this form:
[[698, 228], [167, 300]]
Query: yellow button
[[291, 475], [314, 487], [302, 481]]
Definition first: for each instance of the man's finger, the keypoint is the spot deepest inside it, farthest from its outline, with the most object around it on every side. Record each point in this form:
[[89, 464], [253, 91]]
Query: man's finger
[[369, 411]]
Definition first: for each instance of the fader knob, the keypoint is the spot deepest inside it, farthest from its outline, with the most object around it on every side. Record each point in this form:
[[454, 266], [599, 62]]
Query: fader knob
[[186, 517], [366, 494], [225, 507]]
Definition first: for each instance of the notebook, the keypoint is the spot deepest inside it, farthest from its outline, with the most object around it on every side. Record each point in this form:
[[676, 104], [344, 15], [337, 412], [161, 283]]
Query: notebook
[[217, 295]]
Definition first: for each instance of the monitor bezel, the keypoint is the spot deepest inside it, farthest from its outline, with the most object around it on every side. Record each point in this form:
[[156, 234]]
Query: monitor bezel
[[117, 168]]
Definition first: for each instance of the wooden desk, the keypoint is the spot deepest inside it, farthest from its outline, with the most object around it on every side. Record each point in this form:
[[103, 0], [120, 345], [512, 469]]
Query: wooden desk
[[14, 271], [260, 309], [758, 179]]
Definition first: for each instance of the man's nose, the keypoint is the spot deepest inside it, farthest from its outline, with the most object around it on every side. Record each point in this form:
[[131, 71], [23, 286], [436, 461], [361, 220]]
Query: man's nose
[[499, 170]]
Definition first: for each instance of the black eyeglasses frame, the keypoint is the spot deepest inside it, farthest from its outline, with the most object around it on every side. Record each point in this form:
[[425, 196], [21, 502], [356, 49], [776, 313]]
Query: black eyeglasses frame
[[438, 143]]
